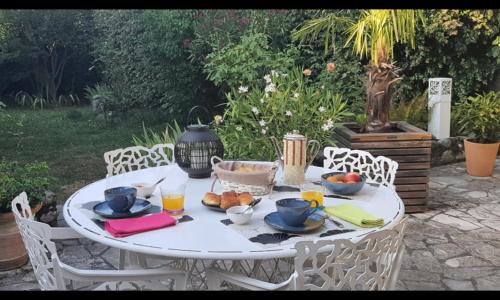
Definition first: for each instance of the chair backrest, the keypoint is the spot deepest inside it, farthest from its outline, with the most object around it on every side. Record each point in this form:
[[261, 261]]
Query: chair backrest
[[380, 169], [135, 158], [41, 250], [366, 265]]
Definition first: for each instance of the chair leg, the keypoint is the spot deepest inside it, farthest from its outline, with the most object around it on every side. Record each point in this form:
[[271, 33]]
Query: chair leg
[[213, 281], [180, 283], [395, 273], [121, 259]]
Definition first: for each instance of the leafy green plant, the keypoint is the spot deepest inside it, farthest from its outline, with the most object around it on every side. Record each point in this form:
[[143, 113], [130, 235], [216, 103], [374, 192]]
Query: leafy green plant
[[150, 137], [287, 102], [246, 62], [103, 98], [32, 178], [479, 116], [144, 59], [373, 34], [414, 111], [468, 34], [361, 120]]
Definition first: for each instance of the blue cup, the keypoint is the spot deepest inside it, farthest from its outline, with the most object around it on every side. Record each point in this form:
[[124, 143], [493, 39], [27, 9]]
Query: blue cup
[[120, 199], [294, 211]]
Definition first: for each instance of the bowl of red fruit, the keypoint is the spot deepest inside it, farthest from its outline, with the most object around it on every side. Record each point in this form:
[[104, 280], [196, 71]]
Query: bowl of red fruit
[[343, 183]]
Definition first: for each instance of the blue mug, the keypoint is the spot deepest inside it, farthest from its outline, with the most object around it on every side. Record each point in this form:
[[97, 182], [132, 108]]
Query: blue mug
[[120, 199], [295, 211]]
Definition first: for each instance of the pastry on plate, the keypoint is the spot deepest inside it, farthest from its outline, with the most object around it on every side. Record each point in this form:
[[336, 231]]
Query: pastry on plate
[[212, 199], [245, 198], [229, 199]]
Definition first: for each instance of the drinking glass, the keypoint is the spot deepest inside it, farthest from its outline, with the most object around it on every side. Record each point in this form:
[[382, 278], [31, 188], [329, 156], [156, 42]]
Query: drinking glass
[[172, 197], [310, 191]]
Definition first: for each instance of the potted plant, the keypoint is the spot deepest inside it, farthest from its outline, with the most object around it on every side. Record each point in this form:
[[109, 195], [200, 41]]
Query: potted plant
[[374, 34], [480, 120], [15, 178]]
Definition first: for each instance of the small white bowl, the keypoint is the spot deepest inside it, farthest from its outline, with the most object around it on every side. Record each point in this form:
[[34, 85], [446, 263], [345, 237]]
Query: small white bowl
[[144, 189], [235, 215]]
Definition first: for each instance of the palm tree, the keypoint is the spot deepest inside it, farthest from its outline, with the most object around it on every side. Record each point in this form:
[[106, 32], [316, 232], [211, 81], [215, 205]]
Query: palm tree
[[373, 34]]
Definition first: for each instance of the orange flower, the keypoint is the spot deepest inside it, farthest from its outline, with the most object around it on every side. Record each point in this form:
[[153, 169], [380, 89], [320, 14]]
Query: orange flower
[[307, 72], [330, 67]]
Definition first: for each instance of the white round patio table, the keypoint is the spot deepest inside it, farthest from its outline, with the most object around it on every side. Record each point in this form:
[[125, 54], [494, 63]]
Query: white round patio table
[[206, 237]]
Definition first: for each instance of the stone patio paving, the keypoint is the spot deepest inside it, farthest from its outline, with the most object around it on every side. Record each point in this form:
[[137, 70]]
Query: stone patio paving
[[453, 246]]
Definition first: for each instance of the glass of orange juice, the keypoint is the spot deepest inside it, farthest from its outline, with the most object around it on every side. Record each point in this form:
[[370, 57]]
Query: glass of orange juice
[[172, 197], [310, 191]]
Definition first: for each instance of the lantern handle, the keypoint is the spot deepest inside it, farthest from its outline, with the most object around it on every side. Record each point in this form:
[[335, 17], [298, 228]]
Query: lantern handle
[[195, 107]]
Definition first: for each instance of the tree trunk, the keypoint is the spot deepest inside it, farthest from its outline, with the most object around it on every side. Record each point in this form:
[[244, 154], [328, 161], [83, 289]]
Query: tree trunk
[[379, 91]]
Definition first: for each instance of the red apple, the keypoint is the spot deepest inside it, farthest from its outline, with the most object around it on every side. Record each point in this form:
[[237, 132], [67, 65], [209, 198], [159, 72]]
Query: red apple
[[353, 176]]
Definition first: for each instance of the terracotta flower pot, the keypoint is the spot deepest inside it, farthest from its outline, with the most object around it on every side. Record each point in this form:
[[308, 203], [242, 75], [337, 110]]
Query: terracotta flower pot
[[480, 158], [13, 253]]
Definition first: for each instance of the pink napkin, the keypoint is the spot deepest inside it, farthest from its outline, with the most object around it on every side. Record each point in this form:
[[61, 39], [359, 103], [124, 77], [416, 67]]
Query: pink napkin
[[126, 227]]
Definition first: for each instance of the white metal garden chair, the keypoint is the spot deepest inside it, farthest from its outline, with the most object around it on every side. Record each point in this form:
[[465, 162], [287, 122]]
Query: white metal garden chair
[[128, 159], [133, 158], [370, 264], [52, 274], [377, 169]]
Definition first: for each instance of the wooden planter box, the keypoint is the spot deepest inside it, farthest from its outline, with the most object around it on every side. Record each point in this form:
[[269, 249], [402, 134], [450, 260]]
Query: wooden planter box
[[410, 146]]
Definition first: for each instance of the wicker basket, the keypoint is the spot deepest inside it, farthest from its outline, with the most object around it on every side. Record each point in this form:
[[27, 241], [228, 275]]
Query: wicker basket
[[257, 183]]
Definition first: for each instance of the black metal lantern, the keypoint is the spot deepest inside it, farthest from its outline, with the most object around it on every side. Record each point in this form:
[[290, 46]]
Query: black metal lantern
[[195, 147]]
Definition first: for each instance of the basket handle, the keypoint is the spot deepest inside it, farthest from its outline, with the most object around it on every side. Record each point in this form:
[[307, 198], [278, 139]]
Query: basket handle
[[212, 160], [213, 183]]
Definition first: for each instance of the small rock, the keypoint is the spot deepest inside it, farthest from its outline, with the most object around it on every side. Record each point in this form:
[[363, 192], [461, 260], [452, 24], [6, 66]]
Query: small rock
[[445, 142], [488, 283], [455, 222], [413, 244], [477, 194], [458, 285], [424, 260], [445, 251], [447, 157], [452, 263], [436, 185], [466, 261]]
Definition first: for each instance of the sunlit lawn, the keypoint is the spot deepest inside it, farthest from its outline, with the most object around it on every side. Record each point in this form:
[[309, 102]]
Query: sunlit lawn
[[73, 148]]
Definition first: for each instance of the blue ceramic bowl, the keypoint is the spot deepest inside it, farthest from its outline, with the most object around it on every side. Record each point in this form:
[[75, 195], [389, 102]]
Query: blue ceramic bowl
[[342, 188], [120, 199]]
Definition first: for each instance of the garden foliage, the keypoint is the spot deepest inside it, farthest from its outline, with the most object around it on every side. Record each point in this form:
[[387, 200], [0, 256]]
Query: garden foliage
[[16, 178], [284, 102]]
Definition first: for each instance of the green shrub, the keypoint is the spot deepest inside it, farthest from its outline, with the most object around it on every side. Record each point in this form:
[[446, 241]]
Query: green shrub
[[104, 99], [144, 59], [414, 111], [45, 52], [246, 63], [15, 178], [457, 44], [479, 117], [150, 138], [254, 114]]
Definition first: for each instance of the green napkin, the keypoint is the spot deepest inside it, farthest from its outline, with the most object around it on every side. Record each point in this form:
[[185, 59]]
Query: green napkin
[[354, 215]]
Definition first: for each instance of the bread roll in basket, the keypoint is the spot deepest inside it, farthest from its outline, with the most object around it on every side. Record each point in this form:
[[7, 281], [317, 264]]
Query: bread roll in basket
[[257, 178]]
